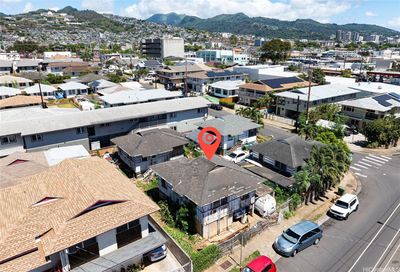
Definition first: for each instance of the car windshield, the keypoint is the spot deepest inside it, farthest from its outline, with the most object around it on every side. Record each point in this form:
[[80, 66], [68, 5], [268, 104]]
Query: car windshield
[[232, 155], [291, 236], [342, 204], [246, 269]]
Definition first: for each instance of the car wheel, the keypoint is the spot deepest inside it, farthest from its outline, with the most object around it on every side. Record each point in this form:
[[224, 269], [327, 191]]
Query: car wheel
[[356, 209], [316, 242], [347, 216], [294, 253]]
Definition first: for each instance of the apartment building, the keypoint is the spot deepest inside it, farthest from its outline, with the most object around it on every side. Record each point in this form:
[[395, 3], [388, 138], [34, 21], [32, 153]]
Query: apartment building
[[162, 48]]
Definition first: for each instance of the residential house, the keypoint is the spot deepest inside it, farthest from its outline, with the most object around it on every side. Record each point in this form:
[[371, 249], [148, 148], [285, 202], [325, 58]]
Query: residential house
[[100, 84], [47, 90], [285, 156], [71, 89], [234, 129], [20, 101], [15, 82], [151, 65], [291, 103], [228, 89], [219, 191], [6, 92], [363, 110], [250, 92], [55, 127], [6, 67], [173, 76], [134, 97], [260, 72], [90, 218], [26, 65], [199, 82], [143, 149], [58, 67]]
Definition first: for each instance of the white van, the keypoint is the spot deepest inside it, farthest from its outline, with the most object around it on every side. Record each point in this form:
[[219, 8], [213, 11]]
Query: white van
[[265, 205]]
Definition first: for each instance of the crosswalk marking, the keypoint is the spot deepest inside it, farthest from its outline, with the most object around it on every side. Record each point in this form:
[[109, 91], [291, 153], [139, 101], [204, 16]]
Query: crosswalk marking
[[370, 161], [359, 165], [355, 168], [386, 157], [361, 175], [375, 160], [364, 163], [379, 158]]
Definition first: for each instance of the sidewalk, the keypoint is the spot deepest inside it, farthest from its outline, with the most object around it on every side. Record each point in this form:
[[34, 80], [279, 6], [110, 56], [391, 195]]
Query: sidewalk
[[263, 242], [278, 124], [353, 139]]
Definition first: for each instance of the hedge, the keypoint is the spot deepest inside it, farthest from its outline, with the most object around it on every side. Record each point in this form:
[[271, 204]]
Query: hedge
[[205, 258], [227, 104]]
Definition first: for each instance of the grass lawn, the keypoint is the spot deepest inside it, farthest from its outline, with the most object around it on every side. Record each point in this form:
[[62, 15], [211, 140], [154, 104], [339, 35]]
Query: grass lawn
[[65, 106], [249, 258]]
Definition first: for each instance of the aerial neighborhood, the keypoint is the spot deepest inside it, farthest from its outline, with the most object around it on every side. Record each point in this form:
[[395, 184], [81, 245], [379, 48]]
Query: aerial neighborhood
[[180, 143]]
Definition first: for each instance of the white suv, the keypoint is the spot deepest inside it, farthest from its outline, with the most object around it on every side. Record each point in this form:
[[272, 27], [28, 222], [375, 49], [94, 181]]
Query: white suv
[[344, 206]]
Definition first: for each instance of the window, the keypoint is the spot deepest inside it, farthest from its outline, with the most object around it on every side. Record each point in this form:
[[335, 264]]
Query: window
[[244, 197], [224, 201], [172, 115], [215, 204], [37, 137], [80, 130], [268, 268], [347, 108], [163, 184], [8, 139]]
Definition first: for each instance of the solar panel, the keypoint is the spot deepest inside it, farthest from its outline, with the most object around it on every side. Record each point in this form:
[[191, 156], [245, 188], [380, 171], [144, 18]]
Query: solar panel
[[382, 99], [222, 73], [276, 83], [396, 96]]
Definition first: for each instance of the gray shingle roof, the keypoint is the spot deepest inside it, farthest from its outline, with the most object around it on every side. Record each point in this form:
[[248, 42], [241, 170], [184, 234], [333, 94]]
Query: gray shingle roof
[[203, 181], [292, 151], [150, 142], [230, 124], [382, 103]]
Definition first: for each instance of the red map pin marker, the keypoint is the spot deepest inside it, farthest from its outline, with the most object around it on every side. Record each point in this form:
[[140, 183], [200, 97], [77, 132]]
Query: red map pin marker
[[209, 139]]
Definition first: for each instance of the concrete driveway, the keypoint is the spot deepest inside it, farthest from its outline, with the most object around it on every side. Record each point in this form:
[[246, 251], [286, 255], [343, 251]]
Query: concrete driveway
[[168, 264]]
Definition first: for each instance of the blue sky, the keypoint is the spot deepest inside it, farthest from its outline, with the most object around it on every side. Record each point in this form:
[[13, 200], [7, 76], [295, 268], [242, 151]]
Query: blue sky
[[380, 12]]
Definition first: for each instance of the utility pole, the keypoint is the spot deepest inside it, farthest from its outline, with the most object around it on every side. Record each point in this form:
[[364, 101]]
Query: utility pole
[[309, 92], [298, 114], [186, 70], [40, 87]]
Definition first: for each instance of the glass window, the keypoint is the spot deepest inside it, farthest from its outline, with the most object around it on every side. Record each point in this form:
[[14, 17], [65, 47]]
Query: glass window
[[36, 137], [80, 130]]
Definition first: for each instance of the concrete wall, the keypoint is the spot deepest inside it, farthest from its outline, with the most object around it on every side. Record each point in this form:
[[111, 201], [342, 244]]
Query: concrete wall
[[172, 47], [107, 242]]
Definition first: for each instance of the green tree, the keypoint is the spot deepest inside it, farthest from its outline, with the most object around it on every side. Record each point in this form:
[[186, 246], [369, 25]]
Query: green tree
[[182, 218], [276, 50], [317, 76], [166, 214], [251, 113], [233, 40], [265, 101], [383, 131], [116, 78]]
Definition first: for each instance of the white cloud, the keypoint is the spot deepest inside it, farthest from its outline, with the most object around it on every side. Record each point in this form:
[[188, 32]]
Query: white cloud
[[321, 10], [370, 14], [54, 8], [102, 6], [28, 7], [395, 22]]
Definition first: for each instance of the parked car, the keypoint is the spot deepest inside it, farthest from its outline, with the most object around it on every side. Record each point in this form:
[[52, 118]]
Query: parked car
[[217, 107], [157, 253], [344, 206], [237, 156], [260, 264], [265, 205], [297, 238]]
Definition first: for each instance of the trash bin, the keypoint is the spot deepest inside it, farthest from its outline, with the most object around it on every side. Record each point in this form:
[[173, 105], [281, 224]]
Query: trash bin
[[340, 190]]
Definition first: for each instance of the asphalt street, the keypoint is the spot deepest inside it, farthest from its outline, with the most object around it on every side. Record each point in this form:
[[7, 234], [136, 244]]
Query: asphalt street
[[370, 239]]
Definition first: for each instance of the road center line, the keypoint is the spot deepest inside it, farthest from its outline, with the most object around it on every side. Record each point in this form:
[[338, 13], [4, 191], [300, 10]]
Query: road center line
[[373, 239]]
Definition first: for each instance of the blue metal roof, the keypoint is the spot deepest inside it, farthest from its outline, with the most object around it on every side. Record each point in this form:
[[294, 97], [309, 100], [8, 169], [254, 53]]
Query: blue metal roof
[[223, 73], [276, 83], [303, 227]]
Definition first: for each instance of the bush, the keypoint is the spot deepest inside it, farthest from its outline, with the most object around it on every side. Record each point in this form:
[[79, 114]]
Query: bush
[[165, 213], [227, 104], [296, 200], [205, 258], [288, 214], [182, 218]]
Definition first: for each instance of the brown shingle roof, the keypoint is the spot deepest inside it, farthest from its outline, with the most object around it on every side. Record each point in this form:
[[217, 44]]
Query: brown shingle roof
[[19, 101], [78, 184]]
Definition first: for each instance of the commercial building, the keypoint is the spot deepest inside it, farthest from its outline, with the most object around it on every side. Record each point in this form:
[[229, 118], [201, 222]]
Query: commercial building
[[223, 56], [162, 48], [200, 81]]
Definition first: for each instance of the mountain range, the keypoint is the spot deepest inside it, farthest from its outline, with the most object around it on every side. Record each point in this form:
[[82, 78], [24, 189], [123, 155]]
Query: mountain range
[[240, 23]]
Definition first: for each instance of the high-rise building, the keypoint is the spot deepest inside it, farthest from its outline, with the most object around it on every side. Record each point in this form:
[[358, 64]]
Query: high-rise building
[[373, 38], [162, 48], [339, 35], [356, 36]]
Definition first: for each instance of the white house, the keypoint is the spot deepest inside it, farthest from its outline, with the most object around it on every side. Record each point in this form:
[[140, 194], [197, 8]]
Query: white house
[[71, 89], [225, 88]]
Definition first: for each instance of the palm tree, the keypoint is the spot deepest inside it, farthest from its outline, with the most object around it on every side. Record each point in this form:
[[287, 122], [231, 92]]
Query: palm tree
[[251, 113], [264, 102]]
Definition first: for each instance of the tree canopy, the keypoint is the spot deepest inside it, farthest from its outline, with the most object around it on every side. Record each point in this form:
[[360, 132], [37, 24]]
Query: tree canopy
[[383, 132], [317, 76], [276, 50]]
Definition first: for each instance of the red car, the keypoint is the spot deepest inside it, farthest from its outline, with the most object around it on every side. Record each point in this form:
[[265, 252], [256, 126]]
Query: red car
[[260, 264]]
